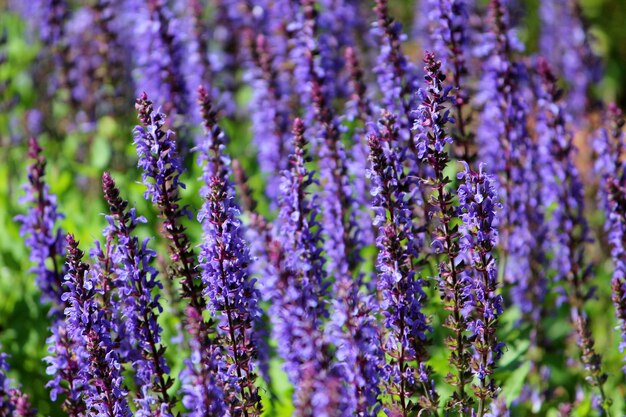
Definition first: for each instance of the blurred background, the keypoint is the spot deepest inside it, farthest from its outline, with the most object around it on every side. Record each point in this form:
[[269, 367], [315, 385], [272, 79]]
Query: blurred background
[[76, 160]]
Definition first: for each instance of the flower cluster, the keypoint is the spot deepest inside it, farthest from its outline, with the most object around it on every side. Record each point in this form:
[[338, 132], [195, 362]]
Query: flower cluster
[[613, 173], [136, 283], [41, 232], [99, 364], [12, 401], [224, 259], [478, 203]]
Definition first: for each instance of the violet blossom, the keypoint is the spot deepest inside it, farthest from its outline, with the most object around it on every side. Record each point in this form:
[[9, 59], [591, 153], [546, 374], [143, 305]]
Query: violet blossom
[[400, 287], [298, 293], [161, 170], [86, 325], [478, 206], [137, 282]]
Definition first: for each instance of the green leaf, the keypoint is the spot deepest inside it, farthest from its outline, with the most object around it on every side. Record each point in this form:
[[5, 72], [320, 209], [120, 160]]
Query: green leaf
[[100, 152], [514, 384]]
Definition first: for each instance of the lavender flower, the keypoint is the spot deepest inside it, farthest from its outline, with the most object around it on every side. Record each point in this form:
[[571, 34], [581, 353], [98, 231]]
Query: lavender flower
[[160, 59], [270, 114], [54, 15], [258, 231], [506, 148], [359, 113], [340, 215], [608, 150], [451, 37], [13, 403], [562, 185], [569, 228], [224, 260], [398, 79], [433, 116], [85, 324], [162, 168], [478, 203], [113, 71], [50, 21], [400, 288], [47, 252], [211, 155], [216, 167], [341, 225], [84, 66], [232, 18], [353, 330], [613, 181], [280, 15], [565, 41], [432, 142], [65, 357], [617, 253], [42, 235], [298, 294], [137, 282], [199, 45]]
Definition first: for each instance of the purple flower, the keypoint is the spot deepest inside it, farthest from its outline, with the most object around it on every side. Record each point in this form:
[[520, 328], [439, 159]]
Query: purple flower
[[162, 168], [160, 59], [352, 327], [157, 151], [400, 287], [211, 155], [224, 259], [610, 148], [355, 333], [398, 78], [13, 402], [137, 282], [320, 36], [433, 116], [87, 326], [565, 41], [478, 203], [432, 138], [451, 37], [202, 391], [216, 167], [263, 245], [359, 114], [568, 227], [298, 293], [84, 68], [270, 108], [39, 227], [506, 148], [47, 252], [198, 44], [340, 222], [562, 185], [299, 227], [64, 359], [233, 20], [114, 70], [54, 13], [51, 19]]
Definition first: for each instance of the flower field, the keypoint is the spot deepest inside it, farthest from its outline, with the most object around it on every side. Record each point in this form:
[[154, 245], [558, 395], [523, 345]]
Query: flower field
[[312, 208]]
